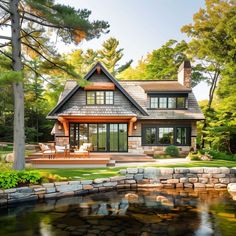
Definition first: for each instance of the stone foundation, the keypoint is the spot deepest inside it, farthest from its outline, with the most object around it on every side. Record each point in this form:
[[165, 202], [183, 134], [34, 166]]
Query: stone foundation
[[133, 178]]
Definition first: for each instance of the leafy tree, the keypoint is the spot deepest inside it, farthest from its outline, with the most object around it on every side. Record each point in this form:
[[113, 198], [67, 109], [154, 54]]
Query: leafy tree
[[69, 24]]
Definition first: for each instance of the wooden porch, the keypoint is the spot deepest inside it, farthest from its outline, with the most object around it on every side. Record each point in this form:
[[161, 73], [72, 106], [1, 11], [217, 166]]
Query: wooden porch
[[93, 160]]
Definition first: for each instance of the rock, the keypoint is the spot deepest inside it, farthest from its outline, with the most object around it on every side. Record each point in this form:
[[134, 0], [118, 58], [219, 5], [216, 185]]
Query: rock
[[131, 197], [179, 185], [157, 185], [214, 181], [183, 180], [232, 180], [199, 185], [166, 171], [138, 176], [224, 180], [68, 187], [220, 186], [196, 170], [51, 190], [233, 170], [210, 185], [9, 157], [87, 187], [129, 176], [100, 180], [232, 187], [151, 173], [181, 170], [212, 170], [225, 170], [117, 178], [140, 170], [193, 180], [61, 183], [172, 181], [130, 181], [203, 180], [86, 182], [178, 176], [110, 184], [123, 171], [188, 185], [218, 175], [48, 185], [132, 170]]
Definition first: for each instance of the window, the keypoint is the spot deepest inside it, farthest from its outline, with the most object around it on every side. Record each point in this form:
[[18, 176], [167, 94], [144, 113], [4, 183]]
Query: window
[[181, 102], [150, 136], [90, 98], [172, 102], [154, 102], [109, 97], [166, 136], [163, 102], [162, 136], [100, 97], [181, 136]]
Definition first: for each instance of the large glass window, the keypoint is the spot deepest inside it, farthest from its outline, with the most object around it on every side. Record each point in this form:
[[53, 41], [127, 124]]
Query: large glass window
[[123, 142], [93, 136], [163, 102], [154, 102], [166, 136], [172, 102], [181, 102], [181, 136], [100, 97], [150, 136], [83, 134]]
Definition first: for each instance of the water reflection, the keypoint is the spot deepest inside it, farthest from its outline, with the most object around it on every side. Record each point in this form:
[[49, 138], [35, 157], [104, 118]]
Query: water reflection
[[153, 212]]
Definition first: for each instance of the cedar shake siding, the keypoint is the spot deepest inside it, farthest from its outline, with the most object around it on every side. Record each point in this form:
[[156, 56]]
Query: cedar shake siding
[[149, 130]]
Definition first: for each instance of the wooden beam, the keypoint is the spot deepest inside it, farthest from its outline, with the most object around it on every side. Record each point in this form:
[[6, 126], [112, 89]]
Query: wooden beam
[[65, 123], [100, 86], [131, 125]]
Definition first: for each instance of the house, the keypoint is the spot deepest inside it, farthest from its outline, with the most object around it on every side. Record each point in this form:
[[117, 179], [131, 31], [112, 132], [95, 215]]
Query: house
[[135, 116]]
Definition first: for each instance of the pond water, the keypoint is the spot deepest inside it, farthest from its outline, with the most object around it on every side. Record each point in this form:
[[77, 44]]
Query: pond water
[[144, 213]]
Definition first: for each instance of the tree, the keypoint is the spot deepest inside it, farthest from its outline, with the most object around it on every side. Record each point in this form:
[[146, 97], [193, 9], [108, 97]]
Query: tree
[[163, 64], [69, 24], [110, 55], [213, 39]]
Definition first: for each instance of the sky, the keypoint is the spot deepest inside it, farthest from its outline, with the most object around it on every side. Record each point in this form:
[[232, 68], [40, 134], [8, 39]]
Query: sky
[[141, 26]]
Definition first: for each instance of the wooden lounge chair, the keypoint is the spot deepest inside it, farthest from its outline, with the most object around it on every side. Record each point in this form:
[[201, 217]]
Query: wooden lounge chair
[[51, 150]]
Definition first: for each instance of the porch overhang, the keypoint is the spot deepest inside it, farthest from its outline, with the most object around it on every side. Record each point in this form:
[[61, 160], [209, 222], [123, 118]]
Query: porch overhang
[[65, 120]]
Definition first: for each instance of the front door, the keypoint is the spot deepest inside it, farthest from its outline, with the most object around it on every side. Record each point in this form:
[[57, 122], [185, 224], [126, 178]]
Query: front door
[[103, 137]]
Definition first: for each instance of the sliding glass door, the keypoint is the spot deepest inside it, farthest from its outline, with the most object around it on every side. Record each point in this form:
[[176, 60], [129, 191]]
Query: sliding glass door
[[103, 137]]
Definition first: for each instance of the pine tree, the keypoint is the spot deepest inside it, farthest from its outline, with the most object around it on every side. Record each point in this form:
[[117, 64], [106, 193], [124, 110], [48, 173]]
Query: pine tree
[[69, 24]]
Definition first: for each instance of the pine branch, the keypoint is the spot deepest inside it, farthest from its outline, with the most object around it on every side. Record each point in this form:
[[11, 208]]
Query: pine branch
[[5, 44], [39, 74], [5, 8], [48, 60], [6, 54]]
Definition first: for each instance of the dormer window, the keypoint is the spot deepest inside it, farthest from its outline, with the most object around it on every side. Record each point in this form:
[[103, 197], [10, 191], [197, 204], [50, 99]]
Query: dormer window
[[100, 97], [170, 101]]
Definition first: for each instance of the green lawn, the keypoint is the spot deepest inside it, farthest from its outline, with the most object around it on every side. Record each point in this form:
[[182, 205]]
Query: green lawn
[[111, 171]]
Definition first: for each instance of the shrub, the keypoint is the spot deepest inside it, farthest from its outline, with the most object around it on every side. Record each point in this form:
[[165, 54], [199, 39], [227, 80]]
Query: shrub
[[220, 155], [172, 151], [11, 179]]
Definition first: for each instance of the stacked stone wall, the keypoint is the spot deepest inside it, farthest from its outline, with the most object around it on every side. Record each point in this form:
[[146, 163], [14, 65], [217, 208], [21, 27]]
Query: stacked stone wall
[[131, 178]]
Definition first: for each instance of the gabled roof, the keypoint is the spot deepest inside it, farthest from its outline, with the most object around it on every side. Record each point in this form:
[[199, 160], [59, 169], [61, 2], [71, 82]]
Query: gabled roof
[[89, 74]]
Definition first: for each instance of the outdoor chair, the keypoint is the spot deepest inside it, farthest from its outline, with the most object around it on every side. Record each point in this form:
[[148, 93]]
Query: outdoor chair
[[84, 150], [51, 150]]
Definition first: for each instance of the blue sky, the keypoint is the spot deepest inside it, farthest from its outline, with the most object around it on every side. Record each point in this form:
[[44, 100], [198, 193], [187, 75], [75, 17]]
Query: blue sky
[[141, 26]]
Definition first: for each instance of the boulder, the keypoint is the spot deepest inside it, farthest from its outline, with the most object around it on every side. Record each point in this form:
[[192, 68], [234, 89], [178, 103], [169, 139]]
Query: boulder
[[9, 157]]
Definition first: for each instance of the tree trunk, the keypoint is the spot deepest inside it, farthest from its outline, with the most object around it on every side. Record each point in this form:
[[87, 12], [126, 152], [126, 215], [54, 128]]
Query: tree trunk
[[19, 129]]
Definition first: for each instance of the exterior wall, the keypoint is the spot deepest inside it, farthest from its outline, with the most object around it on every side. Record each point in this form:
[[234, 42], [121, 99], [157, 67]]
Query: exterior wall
[[135, 141]]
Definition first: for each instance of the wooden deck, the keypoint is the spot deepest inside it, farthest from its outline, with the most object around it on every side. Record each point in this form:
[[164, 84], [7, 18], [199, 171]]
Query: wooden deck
[[93, 160]]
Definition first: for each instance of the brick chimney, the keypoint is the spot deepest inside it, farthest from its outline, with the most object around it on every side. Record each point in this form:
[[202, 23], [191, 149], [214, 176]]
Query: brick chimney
[[184, 74]]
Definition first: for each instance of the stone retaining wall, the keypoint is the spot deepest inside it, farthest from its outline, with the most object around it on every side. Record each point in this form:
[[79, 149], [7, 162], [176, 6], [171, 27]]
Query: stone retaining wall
[[132, 178]]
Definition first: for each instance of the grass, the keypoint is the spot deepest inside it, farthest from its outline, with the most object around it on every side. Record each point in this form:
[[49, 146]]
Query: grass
[[112, 171]]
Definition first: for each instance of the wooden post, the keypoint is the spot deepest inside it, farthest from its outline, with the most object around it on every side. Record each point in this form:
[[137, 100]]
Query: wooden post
[[65, 125], [131, 125]]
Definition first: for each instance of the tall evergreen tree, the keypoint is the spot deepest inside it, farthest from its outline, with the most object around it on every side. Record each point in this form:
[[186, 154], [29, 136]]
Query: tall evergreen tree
[[68, 23]]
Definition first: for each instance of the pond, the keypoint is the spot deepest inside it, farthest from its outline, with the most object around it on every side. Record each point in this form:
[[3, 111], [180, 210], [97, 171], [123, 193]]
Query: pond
[[170, 212]]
